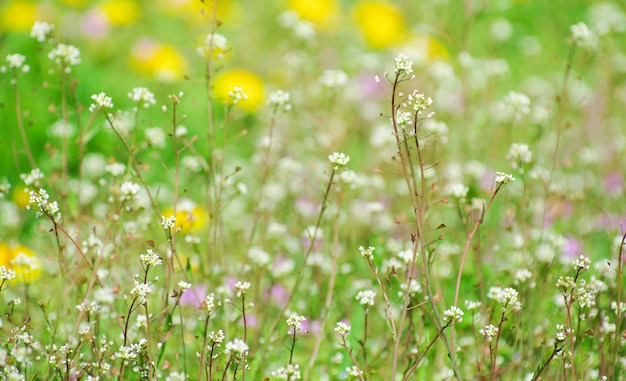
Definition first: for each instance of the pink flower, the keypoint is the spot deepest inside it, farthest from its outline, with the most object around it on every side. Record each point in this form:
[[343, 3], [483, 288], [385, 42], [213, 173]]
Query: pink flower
[[193, 296]]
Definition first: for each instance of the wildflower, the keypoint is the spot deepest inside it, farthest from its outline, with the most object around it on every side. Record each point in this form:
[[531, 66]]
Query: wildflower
[[457, 190], [176, 376], [129, 191], [142, 96], [279, 100], [65, 54], [367, 253], [521, 276], [338, 160], [290, 373], [45, 207], [119, 12], [354, 371], [565, 283], [16, 61], [216, 338], [246, 82], [168, 223], [211, 304], [342, 329], [582, 263], [322, 13], [333, 79], [419, 103], [404, 66], [242, 288], [454, 313], [582, 36], [141, 292], [155, 137], [518, 155], [561, 333], [150, 258], [472, 305], [489, 332], [237, 348], [215, 45], [503, 178], [33, 177], [103, 102], [381, 23], [366, 297], [6, 274], [189, 217], [162, 61], [41, 31], [294, 321], [25, 264], [513, 107], [507, 296]]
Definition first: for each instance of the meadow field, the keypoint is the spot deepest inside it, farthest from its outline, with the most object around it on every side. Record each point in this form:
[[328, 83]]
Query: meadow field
[[312, 190]]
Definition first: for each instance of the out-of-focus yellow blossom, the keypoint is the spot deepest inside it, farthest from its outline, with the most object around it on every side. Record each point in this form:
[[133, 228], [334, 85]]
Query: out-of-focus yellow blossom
[[201, 11], [161, 61], [189, 219], [26, 265], [424, 48], [18, 16], [381, 23], [120, 12], [74, 3], [22, 260], [20, 197], [323, 13], [250, 84]]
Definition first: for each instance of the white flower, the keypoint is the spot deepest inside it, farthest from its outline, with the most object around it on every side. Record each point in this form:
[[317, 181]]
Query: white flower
[[454, 313], [150, 258], [489, 332], [41, 30], [582, 36], [213, 42], [155, 137], [115, 169], [242, 288], [289, 373], [129, 191], [518, 154], [333, 79], [367, 253], [404, 66], [513, 107], [216, 337], [338, 160], [457, 190], [33, 177], [279, 100], [237, 348], [582, 263], [342, 329], [102, 102], [66, 54], [142, 96], [236, 95], [503, 178], [45, 207], [294, 320], [15, 60], [140, 292], [366, 297]]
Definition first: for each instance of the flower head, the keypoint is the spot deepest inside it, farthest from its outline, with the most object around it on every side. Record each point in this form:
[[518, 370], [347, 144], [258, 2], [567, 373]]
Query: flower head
[[142, 96], [41, 31], [102, 102], [339, 160]]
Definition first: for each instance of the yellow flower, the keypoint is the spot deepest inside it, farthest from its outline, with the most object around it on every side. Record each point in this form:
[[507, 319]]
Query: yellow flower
[[22, 260], [20, 197], [425, 48], [381, 23], [250, 84], [161, 61], [322, 13], [190, 218], [19, 16], [120, 12]]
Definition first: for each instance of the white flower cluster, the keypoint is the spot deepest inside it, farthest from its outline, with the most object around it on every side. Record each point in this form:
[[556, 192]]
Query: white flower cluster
[[294, 320], [367, 253], [333, 79], [211, 303], [216, 338], [582, 263], [103, 102], [150, 258], [65, 54], [457, 190], [565, 282], [237, 348], [513, 107], [338, 160], [279, 100], [507, 296], [242, 288], [454, 313], [290, 373], [130, 352], [33, 177], [50, 209], [213, 43], [404, 66], [342, 329], [582, 36], [489, 332], [366, 297], [141, 292], [129, 191], [142, 96], [168, 223], [16, 61], [561, 333], [236, 95], [155, 137], [41, 31], [6, 274], [419, 103], [519, 154], [503, 178]]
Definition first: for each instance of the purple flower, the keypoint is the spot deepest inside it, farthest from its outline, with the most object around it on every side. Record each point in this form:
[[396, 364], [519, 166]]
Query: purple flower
[[193, 296]]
